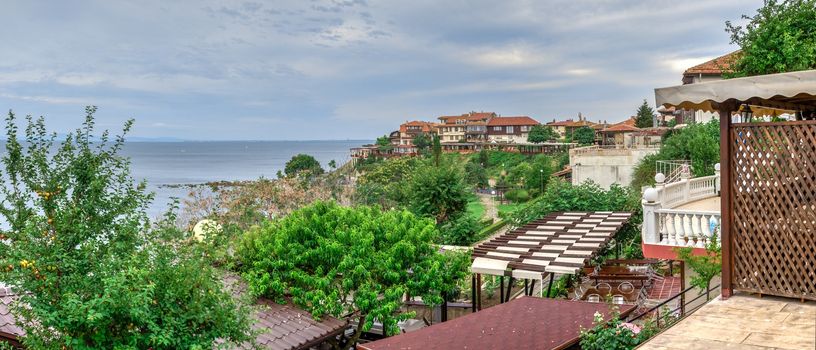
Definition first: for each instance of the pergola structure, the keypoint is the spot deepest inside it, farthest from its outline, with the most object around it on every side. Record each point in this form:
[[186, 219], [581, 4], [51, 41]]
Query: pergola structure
[[767, 173], [560, 243]]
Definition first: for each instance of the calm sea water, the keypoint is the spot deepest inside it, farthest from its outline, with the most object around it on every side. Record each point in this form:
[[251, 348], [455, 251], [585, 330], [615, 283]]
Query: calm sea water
[[174, 163]]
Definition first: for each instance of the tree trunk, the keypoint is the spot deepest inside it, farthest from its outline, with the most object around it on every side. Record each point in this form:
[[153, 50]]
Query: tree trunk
[[354, 337]]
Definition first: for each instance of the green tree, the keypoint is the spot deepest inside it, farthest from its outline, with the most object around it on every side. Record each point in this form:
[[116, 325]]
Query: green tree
[[519, 174], [778, 38], [645, 116], [350, 262], [476, 175], [439, 193], [422, 142], [583, 136], [387, 183], [538, 175], [437, 150], [705, 266], [384, 144], [541, 133], [697, 142], [333, 164], [92, 272], [302, 163]]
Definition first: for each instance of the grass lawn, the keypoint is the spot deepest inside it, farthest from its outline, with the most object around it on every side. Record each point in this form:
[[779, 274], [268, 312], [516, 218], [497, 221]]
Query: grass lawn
[[475, 208], [505, 209]]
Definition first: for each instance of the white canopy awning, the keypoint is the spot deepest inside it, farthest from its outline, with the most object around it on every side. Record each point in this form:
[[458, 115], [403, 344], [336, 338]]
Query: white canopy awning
[[795, 91]]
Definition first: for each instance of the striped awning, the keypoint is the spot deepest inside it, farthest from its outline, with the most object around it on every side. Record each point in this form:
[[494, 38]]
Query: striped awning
[[559, 243]]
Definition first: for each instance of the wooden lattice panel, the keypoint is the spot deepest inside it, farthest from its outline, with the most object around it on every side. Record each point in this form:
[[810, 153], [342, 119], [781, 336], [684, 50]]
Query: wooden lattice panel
[[773, 167]]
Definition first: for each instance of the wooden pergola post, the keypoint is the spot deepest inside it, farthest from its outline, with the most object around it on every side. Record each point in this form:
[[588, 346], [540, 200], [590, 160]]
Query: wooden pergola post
[[726, 152]]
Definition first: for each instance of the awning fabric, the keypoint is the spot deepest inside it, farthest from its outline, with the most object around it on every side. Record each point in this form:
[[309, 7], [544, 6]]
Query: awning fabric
[[784, 88]]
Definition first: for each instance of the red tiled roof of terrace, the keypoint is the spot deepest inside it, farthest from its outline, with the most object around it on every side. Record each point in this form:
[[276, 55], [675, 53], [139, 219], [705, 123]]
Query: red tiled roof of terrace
[[521, 324], [512, 121], [715, 66]]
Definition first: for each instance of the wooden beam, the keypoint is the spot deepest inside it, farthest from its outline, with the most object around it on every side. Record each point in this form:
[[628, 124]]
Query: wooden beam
[[726, 171]]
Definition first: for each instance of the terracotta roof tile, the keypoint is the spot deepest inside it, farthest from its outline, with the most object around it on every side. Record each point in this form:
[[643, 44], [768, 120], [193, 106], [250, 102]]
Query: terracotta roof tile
[[8, 325], [715, 66], [524, 323], [285, 326], [504, 121], [560, 123], [621, 128]]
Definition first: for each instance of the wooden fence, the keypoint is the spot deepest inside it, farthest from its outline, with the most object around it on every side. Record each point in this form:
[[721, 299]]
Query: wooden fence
[[773, 202]]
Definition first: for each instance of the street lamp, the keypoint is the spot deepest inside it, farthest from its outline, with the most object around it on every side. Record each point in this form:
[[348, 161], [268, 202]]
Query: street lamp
[[746, 113], [542, 179]]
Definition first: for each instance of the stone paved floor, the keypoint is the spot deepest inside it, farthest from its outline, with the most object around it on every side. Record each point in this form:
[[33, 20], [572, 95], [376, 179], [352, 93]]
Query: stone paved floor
[[743, 322]]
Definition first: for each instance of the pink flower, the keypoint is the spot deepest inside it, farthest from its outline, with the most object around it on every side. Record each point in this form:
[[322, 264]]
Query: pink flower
[[632, 327]]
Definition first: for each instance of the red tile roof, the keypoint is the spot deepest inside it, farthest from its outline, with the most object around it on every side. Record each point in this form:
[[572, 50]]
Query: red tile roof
[[505, 121], [285, 327], [621, 128], [8, 326], [426, 126], [521, 324], [715, 66], [560, 123]]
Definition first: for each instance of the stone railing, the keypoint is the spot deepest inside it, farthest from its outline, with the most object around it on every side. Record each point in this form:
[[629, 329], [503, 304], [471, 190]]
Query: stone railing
[[665, 224]]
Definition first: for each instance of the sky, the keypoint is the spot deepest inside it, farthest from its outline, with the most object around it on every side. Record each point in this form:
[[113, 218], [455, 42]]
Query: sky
[[345, 69]]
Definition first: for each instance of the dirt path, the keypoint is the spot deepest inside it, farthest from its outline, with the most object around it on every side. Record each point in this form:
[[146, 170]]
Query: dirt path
[[491, 211]]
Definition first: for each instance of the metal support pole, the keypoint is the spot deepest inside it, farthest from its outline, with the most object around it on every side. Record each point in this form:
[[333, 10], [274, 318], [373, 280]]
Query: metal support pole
[[501, 289], [473, 292], [444, 307], [509, 288], [526, 287], [683, 287], [532, 287], [478, 291], [549, 287]]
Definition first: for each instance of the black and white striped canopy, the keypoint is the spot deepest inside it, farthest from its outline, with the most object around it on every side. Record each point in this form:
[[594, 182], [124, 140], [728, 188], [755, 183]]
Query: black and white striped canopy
[[557, 243]]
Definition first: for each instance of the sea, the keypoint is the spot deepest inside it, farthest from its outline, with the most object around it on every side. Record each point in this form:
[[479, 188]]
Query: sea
[[168, 167]]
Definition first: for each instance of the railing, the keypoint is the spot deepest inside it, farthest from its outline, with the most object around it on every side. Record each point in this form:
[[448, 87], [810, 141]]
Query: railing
[[687, 228], [662, 312], [665, 224], [673, 169], [608, 148]]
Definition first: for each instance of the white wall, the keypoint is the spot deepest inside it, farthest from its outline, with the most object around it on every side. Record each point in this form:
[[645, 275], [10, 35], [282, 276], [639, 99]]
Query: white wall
[[606, 166]]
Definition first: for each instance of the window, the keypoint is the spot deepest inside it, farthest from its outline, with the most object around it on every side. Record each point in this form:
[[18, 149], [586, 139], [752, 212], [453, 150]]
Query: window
[[525, 128], [509, 129], [497, 128]]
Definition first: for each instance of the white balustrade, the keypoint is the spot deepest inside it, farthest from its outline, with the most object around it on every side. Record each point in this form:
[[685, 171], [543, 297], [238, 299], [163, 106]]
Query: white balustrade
[[687, 228], [664, 224]]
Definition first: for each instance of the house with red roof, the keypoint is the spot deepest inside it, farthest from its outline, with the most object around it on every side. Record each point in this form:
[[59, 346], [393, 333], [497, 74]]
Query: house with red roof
[[560, 126], [468, 127], [510, 129], [710, 70]]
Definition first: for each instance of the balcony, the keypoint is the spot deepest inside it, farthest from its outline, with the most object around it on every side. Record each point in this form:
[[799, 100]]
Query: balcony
[[684, 213]]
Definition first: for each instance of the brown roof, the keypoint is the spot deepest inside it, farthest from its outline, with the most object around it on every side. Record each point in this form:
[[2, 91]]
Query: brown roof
[[513, 121], [8, 325], [471, 117], [284, 326], [524, 323], [560, 123], [426, 126], [715, 66], [621, 128]]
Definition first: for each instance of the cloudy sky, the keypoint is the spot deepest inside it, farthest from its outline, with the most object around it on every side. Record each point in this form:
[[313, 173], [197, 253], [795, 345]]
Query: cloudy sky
[[345, 69]]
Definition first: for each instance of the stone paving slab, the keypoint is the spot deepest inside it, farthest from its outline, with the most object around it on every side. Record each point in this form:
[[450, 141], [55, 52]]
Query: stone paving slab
[[743, 322]]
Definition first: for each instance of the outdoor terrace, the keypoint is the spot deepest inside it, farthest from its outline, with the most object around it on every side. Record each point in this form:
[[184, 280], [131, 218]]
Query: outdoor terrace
[[743, 322]]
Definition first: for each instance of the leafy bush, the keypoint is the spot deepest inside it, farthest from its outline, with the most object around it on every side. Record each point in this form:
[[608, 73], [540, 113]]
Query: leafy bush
[[541, 133], [706, 266], [614, 334], [460, 231], [476, 175], [302, 163], [387, 183], [583, 136], [438, 192], [350, 262], [517, 195], [91, 272]]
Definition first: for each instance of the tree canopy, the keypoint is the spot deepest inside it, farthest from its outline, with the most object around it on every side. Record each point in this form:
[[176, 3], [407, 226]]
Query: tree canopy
[[778, 38], [422, 142], [541, 133], [302, 163], [584, 136], [90, 271], [350, 262], [645, 116], [384, 144], [439, 193]]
